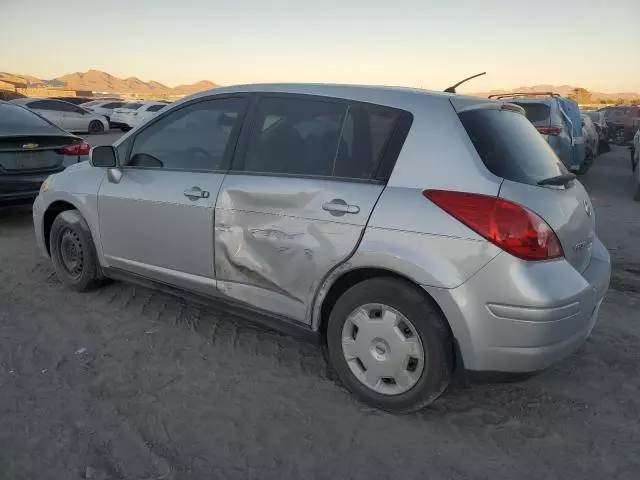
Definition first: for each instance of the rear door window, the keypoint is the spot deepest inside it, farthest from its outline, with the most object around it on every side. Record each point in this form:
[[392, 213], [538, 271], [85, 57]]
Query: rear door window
[[536, 112], [510, 147], [325, 138]]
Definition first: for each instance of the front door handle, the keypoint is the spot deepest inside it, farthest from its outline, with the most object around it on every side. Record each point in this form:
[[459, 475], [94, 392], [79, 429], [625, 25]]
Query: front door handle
[[339, 207], [195, 193]]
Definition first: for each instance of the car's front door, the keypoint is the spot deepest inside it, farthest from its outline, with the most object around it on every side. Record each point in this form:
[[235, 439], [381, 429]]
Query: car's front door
[[298, 198], [48, 109], [157, 221]]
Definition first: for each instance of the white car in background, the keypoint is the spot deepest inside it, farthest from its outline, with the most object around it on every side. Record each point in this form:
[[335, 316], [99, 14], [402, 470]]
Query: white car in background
[[133, 113], [103, 107], [65, 115]]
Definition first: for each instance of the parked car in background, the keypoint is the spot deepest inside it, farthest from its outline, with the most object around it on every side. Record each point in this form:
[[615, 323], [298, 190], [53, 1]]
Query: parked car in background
[[620, 121], [131, 114], [103, 107], [558, 121], [599, 120], [65, 115], [342, 210], [591, 140], [31, 149]]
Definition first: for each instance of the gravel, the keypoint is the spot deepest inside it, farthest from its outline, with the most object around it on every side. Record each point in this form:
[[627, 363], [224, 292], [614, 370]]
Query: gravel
[[128, 383]]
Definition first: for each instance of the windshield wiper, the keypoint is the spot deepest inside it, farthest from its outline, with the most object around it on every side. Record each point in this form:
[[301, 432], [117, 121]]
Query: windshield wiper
[[558, 179]]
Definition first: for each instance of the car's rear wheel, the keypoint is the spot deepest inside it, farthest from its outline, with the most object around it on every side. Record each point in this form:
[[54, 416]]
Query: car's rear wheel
[[390, 345], [96, 126], [73, 253]]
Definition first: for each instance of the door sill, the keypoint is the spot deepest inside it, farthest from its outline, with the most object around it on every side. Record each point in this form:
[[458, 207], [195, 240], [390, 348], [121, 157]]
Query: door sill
[[229, 306]]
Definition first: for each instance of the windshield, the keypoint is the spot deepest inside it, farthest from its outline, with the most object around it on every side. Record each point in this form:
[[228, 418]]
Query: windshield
[[510, 146]]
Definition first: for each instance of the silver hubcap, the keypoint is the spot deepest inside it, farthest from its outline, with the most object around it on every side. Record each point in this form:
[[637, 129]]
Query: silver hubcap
[[383, 349]]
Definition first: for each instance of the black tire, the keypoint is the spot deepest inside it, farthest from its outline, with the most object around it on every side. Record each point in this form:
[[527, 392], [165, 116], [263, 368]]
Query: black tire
[[125, 129], [70, 230], [431, 328], [96, 126]]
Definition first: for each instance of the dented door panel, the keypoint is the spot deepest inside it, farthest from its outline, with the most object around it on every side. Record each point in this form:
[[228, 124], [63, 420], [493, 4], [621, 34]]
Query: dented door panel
[[275, 240]]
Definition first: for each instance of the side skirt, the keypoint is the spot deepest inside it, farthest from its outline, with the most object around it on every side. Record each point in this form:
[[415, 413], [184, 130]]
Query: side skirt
[[222, 304]]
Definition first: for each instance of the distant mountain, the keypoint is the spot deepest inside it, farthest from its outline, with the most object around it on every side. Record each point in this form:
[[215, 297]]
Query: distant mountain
[[563, 90], [196, 87], [98, 81]]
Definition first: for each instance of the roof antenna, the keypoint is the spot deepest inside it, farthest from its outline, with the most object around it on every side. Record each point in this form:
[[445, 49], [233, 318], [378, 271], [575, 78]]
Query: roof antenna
[[452, 89]]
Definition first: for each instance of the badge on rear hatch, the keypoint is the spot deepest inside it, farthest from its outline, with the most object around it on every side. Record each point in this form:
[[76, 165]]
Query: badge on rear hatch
[[587, 208], [30, 145]]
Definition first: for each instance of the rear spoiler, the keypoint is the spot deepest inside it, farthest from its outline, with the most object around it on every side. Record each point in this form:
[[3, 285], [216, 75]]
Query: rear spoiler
[[520, 95]]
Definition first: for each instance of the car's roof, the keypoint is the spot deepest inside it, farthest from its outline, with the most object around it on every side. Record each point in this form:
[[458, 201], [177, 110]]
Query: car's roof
[[365, 93], [24, 99]]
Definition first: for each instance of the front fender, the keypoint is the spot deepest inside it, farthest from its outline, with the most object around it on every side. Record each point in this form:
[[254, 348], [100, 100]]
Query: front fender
[[78, 186]]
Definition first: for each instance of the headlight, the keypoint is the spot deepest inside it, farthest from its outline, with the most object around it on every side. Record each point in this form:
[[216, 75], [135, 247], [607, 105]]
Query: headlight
[[46, 185]]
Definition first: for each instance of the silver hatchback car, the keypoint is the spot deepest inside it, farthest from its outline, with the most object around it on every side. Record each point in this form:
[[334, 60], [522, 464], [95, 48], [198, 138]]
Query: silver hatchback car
[[415, 232]]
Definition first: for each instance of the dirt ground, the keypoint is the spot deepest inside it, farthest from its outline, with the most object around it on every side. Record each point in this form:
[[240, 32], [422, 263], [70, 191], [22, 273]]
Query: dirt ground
[[127, 383]]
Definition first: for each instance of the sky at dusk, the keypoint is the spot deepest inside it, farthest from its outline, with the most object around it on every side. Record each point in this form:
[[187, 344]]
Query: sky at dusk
[[588, 43]]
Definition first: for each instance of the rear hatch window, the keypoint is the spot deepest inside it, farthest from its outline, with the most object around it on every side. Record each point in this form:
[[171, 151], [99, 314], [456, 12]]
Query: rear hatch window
[[510, 146], [537, 113]]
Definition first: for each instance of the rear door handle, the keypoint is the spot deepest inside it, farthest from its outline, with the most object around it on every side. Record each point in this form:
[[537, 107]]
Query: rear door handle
[[339, 207], [195, 193]]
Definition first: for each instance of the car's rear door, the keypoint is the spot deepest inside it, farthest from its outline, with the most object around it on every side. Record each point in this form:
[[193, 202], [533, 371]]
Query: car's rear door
[[157, 221], [74, 119], [511, 149], [298, 197]]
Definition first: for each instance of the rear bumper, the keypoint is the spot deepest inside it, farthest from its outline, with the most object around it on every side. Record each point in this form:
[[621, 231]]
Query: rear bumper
[[516, 316], [119, 123], [20, 188]]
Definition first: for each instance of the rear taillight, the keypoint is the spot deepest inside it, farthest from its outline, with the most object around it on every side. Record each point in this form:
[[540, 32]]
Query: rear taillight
[[549, 130], [510, 226], [78, 149]]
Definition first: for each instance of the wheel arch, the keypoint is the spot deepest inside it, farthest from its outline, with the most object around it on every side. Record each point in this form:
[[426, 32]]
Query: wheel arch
[[50, 214], [342, 279]]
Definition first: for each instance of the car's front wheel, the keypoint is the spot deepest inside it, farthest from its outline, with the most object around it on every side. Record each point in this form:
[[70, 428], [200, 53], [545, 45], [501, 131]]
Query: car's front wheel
[[390, 345], [73, 253]]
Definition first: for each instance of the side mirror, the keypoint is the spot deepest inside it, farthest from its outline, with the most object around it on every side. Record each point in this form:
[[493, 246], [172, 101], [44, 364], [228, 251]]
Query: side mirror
[[103, 156]]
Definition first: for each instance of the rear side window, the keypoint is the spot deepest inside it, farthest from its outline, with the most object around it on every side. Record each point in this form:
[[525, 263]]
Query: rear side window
[[306, 137], [155, 108], [15, 120], [132, 106], [510, 146], [112, 105], [536, 112]]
